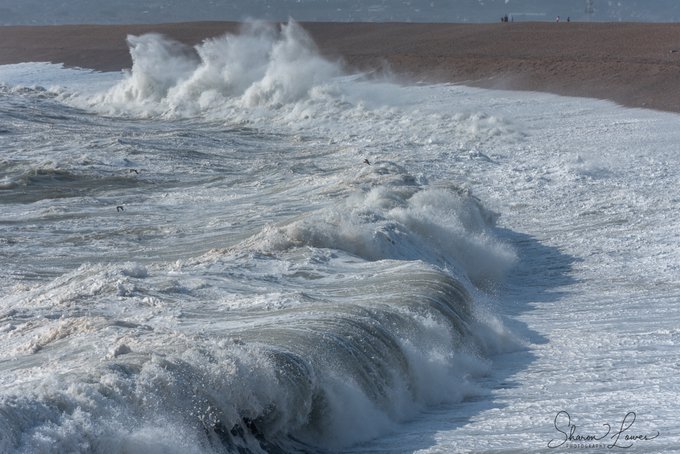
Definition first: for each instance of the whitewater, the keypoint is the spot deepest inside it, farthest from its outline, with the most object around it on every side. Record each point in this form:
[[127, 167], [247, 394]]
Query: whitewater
[[240, 247]]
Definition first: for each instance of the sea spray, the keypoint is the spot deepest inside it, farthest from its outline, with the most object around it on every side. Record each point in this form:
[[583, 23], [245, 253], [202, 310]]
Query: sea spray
[[261, 66]]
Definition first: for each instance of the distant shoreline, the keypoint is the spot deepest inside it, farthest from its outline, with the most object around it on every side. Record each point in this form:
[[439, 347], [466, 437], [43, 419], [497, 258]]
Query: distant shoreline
[[634, 64]]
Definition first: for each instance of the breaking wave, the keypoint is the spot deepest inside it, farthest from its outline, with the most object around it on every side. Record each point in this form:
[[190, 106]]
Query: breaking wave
[[261, 66]]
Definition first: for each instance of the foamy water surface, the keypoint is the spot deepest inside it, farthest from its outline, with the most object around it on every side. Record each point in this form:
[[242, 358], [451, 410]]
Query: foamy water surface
[[243, 248]]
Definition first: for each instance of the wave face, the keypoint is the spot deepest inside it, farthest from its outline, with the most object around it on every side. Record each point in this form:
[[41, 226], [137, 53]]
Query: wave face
[[235, 248]]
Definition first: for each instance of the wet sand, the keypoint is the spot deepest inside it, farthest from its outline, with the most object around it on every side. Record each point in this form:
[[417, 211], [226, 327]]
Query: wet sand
[[634, 64]]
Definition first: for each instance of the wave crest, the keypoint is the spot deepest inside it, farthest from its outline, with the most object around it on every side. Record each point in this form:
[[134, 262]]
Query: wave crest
[[445, 227], [260, 66]]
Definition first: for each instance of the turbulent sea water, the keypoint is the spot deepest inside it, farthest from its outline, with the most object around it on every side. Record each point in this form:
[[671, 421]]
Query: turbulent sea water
[[242, 249]]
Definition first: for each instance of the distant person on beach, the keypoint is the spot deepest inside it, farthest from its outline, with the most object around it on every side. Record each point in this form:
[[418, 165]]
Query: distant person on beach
[[558, 19]]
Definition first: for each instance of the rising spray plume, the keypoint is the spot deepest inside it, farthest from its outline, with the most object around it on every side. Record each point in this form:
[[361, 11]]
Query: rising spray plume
[[262, 66]]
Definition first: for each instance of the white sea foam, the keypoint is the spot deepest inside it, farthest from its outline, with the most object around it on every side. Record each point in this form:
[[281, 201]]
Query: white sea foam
[[262, 287]]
